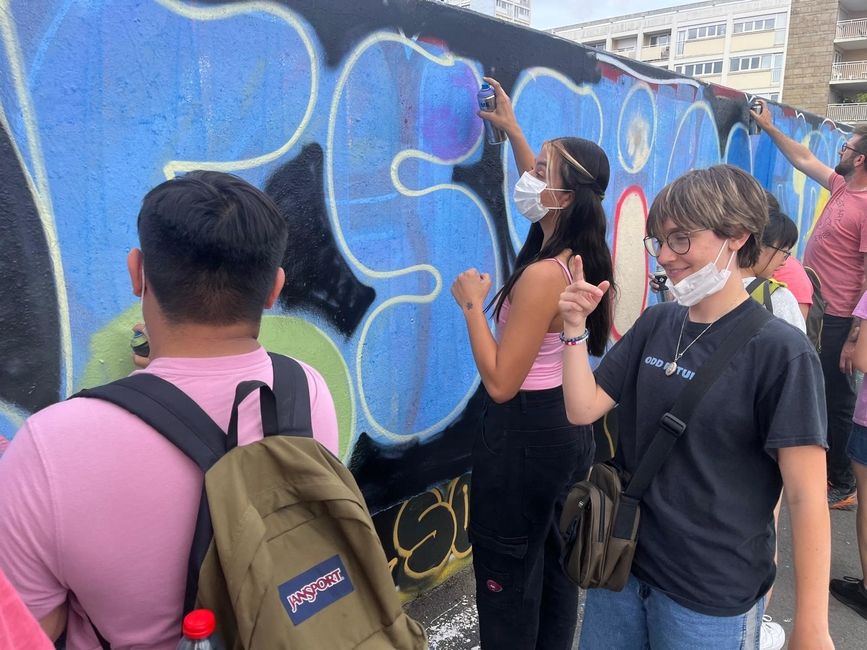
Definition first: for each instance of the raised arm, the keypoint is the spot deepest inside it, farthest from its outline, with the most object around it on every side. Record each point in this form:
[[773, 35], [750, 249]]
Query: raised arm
[[800, 156], [504, 118], [586, 402]]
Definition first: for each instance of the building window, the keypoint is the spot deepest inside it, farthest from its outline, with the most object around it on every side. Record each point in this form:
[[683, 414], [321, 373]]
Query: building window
[[705, 31], [759, 24], [598, 45], [659, 39], [757, 62], [699, 69]]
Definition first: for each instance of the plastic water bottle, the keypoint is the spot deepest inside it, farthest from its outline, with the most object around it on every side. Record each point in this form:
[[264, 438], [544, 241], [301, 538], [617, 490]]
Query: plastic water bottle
[[199, 634], [488, 102]]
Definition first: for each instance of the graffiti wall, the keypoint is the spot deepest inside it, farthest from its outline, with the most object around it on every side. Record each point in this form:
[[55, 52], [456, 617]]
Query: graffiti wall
[[359, 119]]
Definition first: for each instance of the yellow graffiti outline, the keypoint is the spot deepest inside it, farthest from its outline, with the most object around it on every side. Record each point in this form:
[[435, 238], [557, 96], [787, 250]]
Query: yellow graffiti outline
[[221, 12], [40, 189], [606, 429], [799, 185], [12, 413], [446, 60], [407, 553], [531, 74], [640, 85], [453, 486], [696, 105]]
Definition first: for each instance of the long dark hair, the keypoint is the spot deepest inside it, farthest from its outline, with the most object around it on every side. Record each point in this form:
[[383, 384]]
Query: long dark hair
[[581, 227]]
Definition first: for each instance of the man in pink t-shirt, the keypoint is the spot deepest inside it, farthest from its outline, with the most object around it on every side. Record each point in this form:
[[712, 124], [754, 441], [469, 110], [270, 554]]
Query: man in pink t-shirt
[[98, 509], [837, 251]]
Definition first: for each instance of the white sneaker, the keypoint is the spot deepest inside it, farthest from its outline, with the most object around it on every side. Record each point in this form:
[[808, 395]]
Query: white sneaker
[[773, 637]]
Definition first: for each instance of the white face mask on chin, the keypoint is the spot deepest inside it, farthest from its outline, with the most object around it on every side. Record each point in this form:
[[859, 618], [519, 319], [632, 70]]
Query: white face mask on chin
[[528, 197], [705, 282]]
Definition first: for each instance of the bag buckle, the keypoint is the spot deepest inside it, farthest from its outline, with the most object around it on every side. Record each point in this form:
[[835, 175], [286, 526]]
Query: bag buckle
[[675, 426]]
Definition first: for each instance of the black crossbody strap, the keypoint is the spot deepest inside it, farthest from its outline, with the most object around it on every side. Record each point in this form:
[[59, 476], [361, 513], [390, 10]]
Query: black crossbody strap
[[674, 423]]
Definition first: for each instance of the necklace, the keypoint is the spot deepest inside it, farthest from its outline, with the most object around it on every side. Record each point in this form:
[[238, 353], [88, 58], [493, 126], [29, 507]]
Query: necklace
[[671, 366]]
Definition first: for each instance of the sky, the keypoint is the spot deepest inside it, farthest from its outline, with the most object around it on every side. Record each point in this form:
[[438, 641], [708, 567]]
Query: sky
[[546, 14]]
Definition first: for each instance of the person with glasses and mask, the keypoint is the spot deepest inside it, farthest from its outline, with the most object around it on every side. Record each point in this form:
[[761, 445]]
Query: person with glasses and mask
[[526, 453], [837, 251], [704, 560]]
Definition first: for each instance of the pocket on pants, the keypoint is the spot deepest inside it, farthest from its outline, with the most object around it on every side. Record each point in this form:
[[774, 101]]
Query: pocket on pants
[[547, 469], [498, 565]]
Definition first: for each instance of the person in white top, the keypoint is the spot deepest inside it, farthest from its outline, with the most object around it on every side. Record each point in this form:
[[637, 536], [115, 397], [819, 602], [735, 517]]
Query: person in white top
[[780, 235]]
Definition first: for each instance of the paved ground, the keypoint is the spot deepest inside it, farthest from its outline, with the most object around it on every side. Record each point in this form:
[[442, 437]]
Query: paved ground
[[449, 614]]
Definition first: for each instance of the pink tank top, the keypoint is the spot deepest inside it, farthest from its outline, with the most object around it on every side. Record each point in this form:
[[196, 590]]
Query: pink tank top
[[547, 369]]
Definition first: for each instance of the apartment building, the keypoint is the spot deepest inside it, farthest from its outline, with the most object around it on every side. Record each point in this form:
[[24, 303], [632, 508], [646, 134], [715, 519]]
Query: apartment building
[[513, 11], [826, 71], [740, 43]]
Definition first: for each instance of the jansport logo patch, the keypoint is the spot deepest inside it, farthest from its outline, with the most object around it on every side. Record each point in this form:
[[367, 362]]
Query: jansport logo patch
[[315, 589]]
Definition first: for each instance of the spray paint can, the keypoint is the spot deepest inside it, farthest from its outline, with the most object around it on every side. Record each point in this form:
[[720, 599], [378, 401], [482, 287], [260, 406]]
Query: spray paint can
[[756, 106], [139, 344], [488, 102]]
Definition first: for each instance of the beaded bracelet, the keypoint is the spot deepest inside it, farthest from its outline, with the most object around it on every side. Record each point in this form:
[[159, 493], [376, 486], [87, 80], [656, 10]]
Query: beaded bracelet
[[576, 339]]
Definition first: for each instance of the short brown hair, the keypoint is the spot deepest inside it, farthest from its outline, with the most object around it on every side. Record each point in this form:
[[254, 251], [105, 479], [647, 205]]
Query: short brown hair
[[721, 198], [861, 132]]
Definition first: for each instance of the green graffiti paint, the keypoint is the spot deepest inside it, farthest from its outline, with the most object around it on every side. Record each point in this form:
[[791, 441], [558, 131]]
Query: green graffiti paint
[[110, 359]]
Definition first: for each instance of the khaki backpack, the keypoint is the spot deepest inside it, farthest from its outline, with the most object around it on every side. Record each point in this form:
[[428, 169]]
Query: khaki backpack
[[284, 553]]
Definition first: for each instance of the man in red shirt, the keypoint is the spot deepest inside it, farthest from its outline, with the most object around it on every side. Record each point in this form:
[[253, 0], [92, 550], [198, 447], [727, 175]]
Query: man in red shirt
[[837, 251]]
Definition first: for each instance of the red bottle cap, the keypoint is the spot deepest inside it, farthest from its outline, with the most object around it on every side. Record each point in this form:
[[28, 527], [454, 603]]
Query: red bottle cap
[[199, 624]]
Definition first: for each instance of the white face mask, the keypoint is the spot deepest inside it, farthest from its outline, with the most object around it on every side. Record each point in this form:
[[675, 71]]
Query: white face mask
[[703, 283], [528, 197]]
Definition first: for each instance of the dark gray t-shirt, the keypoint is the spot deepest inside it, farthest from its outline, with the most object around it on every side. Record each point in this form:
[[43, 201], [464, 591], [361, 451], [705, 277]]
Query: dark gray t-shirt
[[706, 537]]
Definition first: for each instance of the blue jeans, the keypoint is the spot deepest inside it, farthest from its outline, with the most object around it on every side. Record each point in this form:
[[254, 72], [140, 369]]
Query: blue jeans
[[857, 447], [640, 617]]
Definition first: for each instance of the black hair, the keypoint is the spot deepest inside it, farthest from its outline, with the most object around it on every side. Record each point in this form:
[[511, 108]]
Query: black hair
[[581, 227], [211, 246], [781, 231]]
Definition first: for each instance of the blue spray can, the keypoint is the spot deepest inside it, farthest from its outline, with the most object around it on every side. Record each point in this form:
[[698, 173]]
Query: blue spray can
[[488, 102]]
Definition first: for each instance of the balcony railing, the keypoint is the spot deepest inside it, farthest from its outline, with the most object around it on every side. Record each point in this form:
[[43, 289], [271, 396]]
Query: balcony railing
[[849, 71], [852, 29], [848, 113], [628, 52], [655, 52]]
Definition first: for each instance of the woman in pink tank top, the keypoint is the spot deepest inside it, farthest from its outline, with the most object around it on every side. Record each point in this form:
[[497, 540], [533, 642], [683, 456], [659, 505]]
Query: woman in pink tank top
[[526, 453]]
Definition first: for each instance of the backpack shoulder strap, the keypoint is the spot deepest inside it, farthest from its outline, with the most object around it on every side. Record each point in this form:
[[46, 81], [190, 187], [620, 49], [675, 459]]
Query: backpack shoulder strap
[[170, 411], [773, 285], [178, 418], [293, 397], [760, 290], [754, 284]]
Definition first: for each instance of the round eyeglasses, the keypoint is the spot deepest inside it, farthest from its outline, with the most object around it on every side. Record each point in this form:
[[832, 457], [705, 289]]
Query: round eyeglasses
[[678, 241], [786, 253], [845, 146]]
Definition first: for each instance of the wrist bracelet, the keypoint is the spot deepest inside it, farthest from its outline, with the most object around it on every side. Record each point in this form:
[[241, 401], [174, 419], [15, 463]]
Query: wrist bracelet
[[575, 340]]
